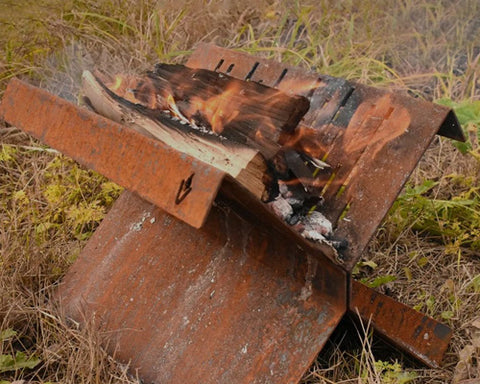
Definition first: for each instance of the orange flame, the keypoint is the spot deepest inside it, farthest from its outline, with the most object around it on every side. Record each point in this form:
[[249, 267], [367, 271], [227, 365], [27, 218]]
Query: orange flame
[[217, 110], [133, 89], [299, 86], [173, 108]]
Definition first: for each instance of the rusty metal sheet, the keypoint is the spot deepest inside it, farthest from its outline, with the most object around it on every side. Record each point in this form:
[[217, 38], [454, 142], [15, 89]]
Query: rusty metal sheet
[[373, 181], [155, 171], [174, 181], [228, 303], [372, 138], [421, 336]]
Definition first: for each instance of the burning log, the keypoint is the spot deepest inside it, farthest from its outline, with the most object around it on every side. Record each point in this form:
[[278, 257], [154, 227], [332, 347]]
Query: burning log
[[243, 111], [241, 127], [245, 164]]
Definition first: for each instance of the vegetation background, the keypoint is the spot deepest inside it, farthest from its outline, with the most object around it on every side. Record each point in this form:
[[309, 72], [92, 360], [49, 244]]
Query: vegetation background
[[426, 254]]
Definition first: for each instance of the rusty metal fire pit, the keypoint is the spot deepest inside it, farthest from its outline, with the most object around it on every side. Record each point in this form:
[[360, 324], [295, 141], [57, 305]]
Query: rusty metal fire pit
[[194, 278]]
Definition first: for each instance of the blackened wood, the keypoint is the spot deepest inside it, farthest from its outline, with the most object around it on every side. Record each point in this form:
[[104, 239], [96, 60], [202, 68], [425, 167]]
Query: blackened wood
[[244, 164], [244, 111]]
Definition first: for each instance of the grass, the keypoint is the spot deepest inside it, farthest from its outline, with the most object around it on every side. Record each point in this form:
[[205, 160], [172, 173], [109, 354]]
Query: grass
[[427, 248]]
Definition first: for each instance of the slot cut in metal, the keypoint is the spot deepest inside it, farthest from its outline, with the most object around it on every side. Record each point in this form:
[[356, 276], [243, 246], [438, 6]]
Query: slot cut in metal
[[252, 71], [220, 63], [280, 78]]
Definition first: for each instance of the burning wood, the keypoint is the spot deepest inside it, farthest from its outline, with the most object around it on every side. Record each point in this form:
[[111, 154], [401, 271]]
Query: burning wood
[[244, 111], [245, 164], [241, 127]]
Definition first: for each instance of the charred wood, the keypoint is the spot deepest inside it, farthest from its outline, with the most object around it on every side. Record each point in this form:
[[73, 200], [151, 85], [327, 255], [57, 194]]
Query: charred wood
[[243, 111], [246, 165]]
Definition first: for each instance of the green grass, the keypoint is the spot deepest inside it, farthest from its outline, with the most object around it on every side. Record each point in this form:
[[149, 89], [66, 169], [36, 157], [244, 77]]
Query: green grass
[[50, 206]]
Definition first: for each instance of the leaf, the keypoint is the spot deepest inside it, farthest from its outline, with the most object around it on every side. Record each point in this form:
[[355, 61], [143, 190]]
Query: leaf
[[464, 364], [475, 284], [7, 363], [20, 361], [370, 263], [7, 334], [422, 261], [6, 153], [381, 280], [447, 315], [468, 114]]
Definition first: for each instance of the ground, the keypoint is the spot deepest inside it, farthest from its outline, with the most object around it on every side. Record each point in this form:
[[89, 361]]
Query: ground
[[426, 253]]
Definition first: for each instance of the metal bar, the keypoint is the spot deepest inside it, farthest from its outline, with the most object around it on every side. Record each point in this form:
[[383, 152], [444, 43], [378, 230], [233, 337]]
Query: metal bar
[[174, 181], [421, 336]]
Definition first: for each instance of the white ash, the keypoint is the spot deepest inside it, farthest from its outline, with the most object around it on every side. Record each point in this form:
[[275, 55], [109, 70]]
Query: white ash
[[173, 115], [316, 227], [281, 208], [290, 207], [293, 199]]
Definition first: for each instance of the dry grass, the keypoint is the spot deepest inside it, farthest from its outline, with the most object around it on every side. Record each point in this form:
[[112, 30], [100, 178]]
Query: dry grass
[[49, 206]]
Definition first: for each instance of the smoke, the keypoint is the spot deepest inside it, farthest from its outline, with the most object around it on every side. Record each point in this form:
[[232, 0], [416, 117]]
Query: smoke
[[61, 73]]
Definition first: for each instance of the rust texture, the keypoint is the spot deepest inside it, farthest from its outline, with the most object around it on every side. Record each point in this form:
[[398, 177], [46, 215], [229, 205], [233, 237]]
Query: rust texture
[[372, 138], [174, 181], [419, 335], [228, 303]]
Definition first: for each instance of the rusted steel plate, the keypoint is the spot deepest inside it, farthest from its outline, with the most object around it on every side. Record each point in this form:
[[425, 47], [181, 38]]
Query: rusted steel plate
[[155, 171], [403, 130], [372, 138], [417, 334], [174, 181], [227, 303]]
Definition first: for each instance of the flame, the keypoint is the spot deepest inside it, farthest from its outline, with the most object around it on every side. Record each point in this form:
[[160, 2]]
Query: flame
[[134, 89], [300, 87], [217, 110], [385, 123], [173, 108]]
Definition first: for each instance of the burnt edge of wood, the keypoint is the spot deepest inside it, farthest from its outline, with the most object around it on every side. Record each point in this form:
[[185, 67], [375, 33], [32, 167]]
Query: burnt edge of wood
[[269, 178]]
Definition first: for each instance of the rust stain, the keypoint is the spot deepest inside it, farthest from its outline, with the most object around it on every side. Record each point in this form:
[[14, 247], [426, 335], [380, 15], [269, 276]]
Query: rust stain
[[412, 331], [143, 165]]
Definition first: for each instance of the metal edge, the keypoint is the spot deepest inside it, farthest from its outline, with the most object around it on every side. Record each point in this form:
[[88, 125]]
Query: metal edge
[[123, 155], [411, 331]]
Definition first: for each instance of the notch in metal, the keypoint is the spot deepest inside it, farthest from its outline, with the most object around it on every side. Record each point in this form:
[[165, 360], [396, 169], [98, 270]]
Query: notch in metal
[[184, 189]]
